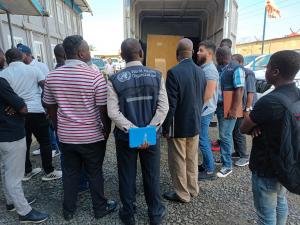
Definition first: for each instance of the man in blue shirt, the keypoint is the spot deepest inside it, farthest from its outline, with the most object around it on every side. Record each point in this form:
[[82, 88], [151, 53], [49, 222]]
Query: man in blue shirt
[[239, 139], [205, 55], [232, 78]]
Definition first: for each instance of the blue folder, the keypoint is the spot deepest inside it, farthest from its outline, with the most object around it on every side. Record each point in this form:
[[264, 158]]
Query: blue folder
[[138, 136]]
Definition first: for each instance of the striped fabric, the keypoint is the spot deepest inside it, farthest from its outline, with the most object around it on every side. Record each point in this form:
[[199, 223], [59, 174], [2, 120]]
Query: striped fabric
[[78, 90]]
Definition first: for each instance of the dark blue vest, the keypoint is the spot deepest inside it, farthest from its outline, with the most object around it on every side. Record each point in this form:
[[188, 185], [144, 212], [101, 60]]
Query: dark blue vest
[[137, 88], [227, 76]]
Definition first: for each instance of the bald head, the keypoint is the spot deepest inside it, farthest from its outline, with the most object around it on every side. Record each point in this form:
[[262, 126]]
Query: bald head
[[184, 49], [131, 50]]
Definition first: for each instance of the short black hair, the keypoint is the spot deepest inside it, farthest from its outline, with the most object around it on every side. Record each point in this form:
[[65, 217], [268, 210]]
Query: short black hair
[[130, 49], [13, 55], [287, 62], [223, 52], [227, 42], [208, 45], [71, 45], [59, 50], [238, 57]]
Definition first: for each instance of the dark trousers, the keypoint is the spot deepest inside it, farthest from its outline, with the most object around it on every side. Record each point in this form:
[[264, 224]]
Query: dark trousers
[[127, 168], [239, 140], [83, 183], [38, 125], [90, 157]]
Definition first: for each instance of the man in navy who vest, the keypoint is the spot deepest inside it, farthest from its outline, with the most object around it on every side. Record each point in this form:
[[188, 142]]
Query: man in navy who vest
[[137, 98], [232, 78]]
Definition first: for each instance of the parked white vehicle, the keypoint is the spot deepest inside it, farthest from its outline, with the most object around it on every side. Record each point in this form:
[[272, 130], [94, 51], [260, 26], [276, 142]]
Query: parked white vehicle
[[262, 88], [259, 63]]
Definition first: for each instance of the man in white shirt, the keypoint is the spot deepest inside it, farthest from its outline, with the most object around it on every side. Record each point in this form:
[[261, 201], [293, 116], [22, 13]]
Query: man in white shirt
[[29, 60], [26, 81], [110, 69]]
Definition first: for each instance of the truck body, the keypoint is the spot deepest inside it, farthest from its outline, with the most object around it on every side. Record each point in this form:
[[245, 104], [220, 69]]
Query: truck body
[[159, 24]]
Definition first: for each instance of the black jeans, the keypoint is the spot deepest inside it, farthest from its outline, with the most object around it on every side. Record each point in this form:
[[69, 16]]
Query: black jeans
[[38, 125], [127, 168], [90, 157], [239, 140]]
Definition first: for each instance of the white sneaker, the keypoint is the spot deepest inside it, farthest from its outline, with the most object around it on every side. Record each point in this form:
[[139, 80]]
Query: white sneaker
[[34, 172], [242, 162], [224, 172], [36, 152], [55, 153], [56, 174]]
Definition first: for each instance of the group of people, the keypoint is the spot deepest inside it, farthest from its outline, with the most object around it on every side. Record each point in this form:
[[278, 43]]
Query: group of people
[[81, 105]]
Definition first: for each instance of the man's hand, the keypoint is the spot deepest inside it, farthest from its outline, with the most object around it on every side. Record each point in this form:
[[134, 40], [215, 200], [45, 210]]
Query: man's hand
[[255, 132], [106, 133], [10, 110], [232, 114], [246, 114], [144, 146]]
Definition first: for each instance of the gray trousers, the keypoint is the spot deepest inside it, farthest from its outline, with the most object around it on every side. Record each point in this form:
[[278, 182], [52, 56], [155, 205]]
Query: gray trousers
[[12, 162]]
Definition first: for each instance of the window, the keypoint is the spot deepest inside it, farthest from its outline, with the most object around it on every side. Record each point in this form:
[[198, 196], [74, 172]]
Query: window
[[49, 7], [75, 24], [59, 12], [17, 40], [68, 16], [38, 51], [53, 56]]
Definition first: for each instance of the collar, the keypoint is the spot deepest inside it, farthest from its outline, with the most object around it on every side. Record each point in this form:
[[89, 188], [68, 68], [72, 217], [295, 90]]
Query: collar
[[16, 63], [74, 62], [289, 85], [185, 59], [133, 63], [206, 64]]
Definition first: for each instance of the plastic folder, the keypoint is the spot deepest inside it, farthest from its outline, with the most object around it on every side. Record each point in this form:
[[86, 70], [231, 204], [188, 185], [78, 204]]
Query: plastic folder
[[138, 136]]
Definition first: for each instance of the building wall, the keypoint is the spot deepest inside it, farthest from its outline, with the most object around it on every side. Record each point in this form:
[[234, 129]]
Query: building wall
[[271, 46], [41, 34]]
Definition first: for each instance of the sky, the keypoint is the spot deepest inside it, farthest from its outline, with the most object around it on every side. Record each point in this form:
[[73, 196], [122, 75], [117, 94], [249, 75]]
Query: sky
[[104, 29]]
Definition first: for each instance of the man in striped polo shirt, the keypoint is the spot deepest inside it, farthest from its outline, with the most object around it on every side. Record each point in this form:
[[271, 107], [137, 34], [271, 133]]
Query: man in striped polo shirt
[[76, 98]]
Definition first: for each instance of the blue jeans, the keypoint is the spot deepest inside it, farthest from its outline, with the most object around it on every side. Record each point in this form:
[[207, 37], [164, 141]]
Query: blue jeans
[[53, 139], [269, 200], [205, 143], [226, 143]]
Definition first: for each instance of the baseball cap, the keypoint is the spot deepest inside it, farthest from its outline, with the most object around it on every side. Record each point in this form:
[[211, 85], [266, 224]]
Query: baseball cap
[[23, 48]]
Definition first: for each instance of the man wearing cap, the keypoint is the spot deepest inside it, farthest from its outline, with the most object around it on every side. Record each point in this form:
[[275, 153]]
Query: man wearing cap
[[30, 60]]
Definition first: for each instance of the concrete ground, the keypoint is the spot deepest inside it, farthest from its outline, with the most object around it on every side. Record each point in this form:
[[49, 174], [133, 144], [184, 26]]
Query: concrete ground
[[221, 202]]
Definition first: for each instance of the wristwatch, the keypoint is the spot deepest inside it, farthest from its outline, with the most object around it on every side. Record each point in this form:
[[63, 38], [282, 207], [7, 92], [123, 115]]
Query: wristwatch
[[248, 109]]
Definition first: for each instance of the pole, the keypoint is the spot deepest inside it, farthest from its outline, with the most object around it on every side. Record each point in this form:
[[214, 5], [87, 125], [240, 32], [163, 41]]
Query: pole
[[10, 29], [264, 32]]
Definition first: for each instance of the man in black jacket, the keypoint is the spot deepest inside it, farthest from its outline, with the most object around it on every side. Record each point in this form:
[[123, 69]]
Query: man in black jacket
[[185, 87]]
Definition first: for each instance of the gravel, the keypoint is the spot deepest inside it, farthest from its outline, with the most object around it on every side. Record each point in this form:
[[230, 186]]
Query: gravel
[[225, 201]]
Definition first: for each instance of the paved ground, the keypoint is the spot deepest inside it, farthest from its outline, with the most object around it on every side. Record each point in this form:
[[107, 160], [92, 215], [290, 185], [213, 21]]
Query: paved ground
[[224, 201]]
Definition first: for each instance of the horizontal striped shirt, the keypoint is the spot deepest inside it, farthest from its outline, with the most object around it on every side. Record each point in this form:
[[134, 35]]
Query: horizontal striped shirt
[[78, 91]]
